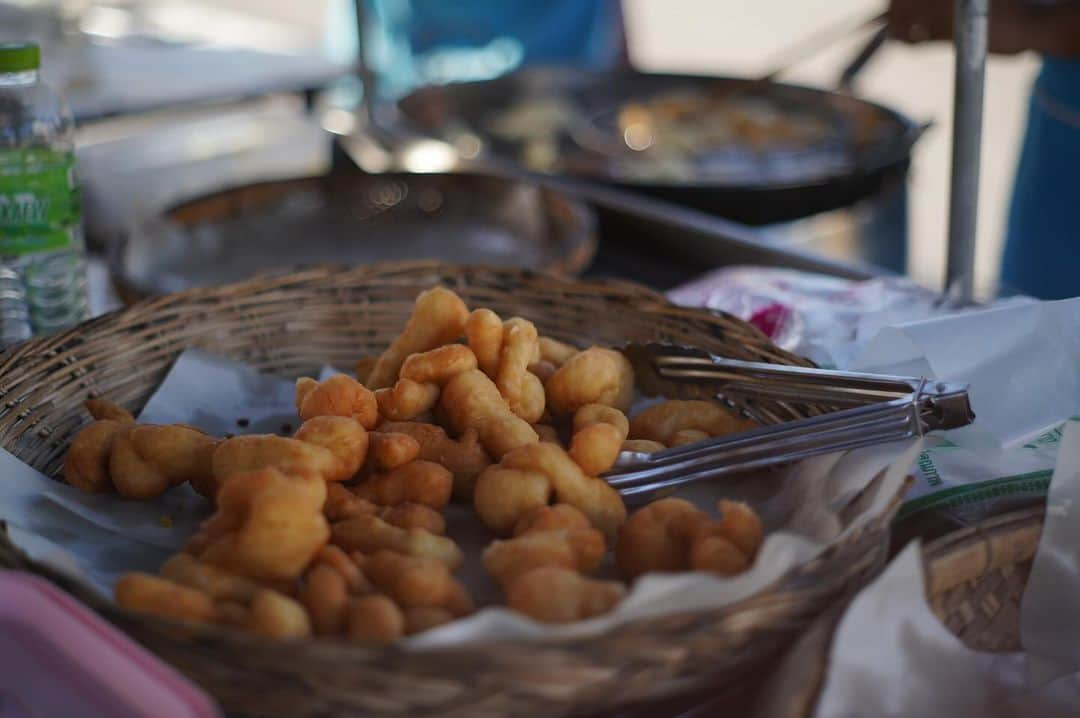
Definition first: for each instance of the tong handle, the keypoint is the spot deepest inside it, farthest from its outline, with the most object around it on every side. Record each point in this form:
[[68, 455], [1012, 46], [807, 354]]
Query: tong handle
[[942, 405]]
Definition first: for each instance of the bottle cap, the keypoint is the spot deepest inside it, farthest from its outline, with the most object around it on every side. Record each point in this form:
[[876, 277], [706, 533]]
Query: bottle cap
[[19, 56]]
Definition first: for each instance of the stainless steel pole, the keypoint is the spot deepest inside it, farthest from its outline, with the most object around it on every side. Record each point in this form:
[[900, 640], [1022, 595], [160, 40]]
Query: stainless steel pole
[[970, 37]]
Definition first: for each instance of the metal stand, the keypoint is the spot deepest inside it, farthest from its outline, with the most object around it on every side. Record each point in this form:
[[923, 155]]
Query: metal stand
[[970, 37]]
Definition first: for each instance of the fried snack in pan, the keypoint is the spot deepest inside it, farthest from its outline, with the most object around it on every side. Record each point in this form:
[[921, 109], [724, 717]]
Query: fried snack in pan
[[150, 594], [277, 616], [389, 450], [368, 534], [465, 458], [560, 595], [86, 463], [598, 435], [374, 618], [148, 460], [522, 390], [267, 526], [484, 334], [439, 365], [661, 422], [338, 395], [594, 376], [438, 318], [411, 581], [407, 400], [472, 401], [219, 584], [418, 482]]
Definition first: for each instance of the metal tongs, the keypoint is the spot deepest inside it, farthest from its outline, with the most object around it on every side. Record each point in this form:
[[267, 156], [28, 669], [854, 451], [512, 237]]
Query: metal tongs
[[878, 409]]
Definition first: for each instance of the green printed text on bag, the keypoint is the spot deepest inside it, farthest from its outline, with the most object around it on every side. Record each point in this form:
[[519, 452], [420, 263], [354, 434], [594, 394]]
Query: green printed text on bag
[[39, 201]]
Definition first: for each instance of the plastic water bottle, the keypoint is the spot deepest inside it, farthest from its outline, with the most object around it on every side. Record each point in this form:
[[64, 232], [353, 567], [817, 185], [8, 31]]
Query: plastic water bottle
[[42, 268]]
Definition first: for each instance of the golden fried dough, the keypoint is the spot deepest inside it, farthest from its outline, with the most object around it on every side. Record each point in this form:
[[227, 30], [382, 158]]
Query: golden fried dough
[[599, 432], [592, 496], [325, 595], [484, 333], [464, 458], [268, 525], [522, 390], [86, 463], [389, 450], [472, 401], [104, 410], [148, 460], [215, 582], [277, 616], [576, 549], [661, 422], [594, 376], [559, 595], [418, 482], [411, 581], [438, 318], [149, 594], [555, 352], [438, 366], [374, 618], [406, 400], [369, 534], [338, 395]]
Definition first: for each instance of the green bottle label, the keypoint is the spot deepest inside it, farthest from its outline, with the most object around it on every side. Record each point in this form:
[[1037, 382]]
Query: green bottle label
[[39, 201]]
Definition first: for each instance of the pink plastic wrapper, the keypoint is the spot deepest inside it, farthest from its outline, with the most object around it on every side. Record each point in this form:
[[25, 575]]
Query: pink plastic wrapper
[[827, 319], [59, 659]]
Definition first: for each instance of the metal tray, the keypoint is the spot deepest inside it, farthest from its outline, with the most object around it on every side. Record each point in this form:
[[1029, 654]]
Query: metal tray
[[347, 217]]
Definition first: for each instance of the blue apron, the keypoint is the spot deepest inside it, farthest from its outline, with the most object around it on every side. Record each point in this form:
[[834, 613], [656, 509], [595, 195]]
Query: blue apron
[[1042, 249]]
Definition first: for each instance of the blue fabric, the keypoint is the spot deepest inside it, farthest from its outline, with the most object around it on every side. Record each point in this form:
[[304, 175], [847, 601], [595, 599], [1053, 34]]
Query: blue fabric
[[582, 32], [1042, 249]]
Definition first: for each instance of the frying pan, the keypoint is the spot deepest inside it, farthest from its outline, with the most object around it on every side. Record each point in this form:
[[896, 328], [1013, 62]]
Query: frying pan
[[874, 151]]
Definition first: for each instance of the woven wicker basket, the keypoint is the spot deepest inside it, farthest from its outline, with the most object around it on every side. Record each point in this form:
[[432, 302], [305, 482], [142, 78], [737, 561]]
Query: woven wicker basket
[[293, 324], [975, 580]]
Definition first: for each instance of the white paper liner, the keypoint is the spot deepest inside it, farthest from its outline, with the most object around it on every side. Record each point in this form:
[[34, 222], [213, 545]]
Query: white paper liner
[[891, 656], [804, 508]]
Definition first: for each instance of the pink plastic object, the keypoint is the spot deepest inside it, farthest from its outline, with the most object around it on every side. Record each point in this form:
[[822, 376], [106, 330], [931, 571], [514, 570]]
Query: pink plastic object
[[59, 659]]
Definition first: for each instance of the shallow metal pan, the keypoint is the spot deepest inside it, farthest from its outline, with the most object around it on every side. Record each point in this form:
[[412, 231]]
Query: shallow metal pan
[[347, 217]]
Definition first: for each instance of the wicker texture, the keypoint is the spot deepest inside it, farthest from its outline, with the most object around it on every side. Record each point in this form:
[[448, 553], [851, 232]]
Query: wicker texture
[[975, 581], [293, 324]]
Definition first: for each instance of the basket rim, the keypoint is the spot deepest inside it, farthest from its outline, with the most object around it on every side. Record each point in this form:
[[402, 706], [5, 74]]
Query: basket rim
[[991, 544]]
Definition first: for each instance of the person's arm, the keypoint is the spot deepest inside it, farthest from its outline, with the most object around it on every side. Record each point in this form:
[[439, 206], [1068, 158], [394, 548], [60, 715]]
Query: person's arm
[[1015, 25]]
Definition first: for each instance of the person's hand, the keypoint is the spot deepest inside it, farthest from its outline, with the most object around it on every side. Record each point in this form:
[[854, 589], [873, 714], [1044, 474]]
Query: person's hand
[[1015, 26]]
